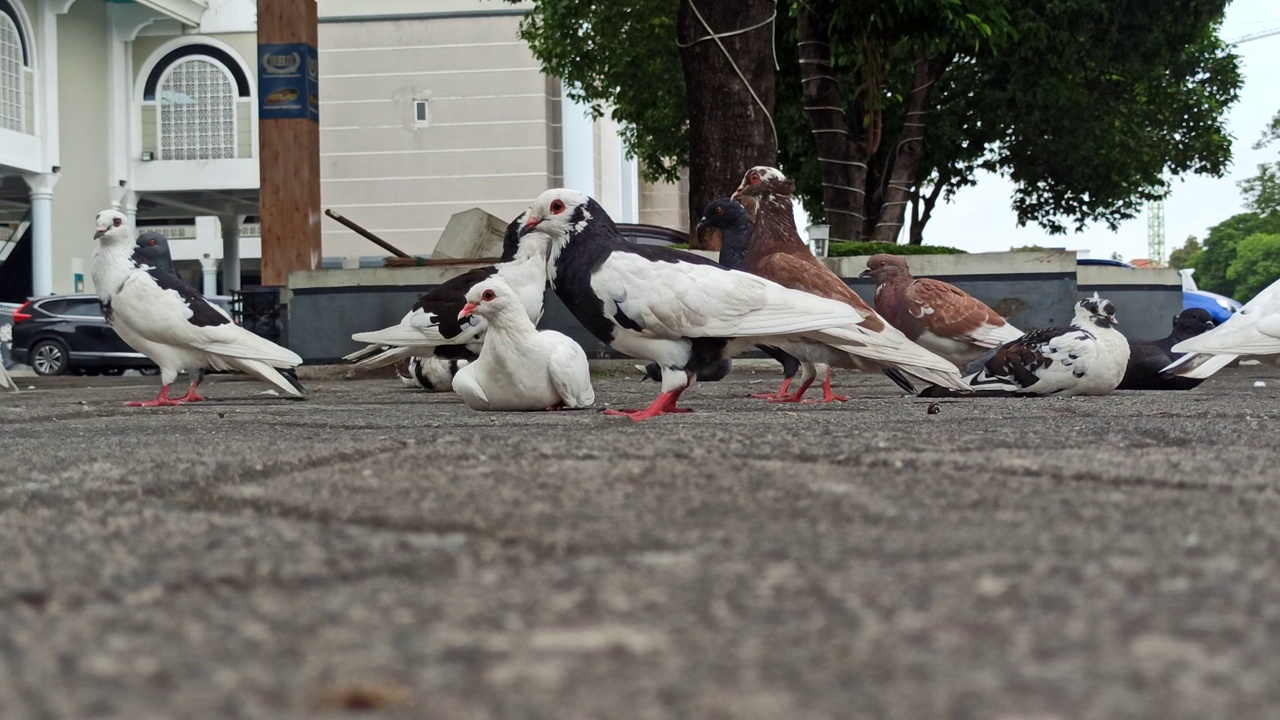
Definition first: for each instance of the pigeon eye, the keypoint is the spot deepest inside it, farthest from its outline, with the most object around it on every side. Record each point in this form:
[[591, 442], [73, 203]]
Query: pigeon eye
[[152, 241], [883, 263], [116, 222], [557, 206], [755, 178], [719, 210], [489, 295]]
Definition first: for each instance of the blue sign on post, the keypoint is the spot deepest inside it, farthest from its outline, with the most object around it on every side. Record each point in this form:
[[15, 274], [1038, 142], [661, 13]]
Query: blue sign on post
[[288, 82]]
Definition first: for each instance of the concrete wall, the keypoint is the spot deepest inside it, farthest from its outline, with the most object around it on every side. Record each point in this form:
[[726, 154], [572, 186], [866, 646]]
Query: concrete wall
[[82, 184], [1032, 290]]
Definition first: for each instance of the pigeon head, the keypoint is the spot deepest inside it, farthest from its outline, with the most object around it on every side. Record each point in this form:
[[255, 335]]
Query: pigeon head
[[113, 228], [1192, 322], [757, 175], [725, 224], [153, 248], [562, 213], [1097, 310], [772, 184], [884, 267], [489, 298]]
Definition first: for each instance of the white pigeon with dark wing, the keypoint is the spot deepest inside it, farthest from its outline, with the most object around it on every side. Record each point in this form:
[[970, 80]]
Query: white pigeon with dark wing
[[1089, 357], [686, 312], [171, 323], [432, 328], [520, 368], [1252, 332]]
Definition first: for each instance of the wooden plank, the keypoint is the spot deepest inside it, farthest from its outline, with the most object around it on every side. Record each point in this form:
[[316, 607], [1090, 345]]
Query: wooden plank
[[289, 159]]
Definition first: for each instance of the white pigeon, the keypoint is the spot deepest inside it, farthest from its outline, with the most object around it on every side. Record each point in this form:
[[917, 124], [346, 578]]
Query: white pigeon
[[1089, 357], [1253, 331], [433, 322], [687, 313], [167, 320], [520, 368], [7, 382]]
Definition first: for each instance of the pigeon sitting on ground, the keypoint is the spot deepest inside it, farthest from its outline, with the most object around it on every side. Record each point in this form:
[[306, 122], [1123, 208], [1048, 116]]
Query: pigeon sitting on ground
[[1253, 332], [165, 319], [432, 328], [1088, 357], [686, 312], [520, 368], [1147, 360], [938, 315], [153, 249], [434, 373]]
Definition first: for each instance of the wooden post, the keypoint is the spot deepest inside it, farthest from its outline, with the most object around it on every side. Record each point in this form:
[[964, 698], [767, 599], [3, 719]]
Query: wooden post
[[289, 138]]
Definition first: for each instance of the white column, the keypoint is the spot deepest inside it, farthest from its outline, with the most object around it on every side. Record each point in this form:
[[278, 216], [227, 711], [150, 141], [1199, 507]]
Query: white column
[[41, 231], [129, 206], [577, 138], [230, 251], [629, 169], [210, 268]]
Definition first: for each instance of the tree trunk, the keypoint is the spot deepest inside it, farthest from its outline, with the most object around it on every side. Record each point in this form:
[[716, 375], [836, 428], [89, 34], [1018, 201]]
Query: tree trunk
[[842, 162], [730, 121], [905, 160], [920, 219]]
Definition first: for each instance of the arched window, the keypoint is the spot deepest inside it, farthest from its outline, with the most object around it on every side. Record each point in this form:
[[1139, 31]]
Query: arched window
[[197, 99], [13, 76]]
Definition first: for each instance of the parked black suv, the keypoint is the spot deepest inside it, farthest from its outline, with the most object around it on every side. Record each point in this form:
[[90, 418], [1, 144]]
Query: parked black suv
[[59, 334]]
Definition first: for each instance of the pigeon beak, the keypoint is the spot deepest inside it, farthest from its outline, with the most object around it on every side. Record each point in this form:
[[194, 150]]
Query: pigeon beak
[[529, 225], [99, 233], [738, 192], [865, 273], [467, 310]]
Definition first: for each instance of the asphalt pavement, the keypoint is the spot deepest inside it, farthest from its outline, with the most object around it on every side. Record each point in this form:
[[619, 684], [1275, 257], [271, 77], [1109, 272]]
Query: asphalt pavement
[[375, 551]]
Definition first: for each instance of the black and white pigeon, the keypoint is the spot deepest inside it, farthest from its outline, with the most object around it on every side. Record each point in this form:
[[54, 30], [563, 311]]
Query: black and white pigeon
[[686, 312], [153, 249], [432, 328], [1148, 360], [1253, 332], [520, 368], [1088, 357], [434, 373], [165, 319]]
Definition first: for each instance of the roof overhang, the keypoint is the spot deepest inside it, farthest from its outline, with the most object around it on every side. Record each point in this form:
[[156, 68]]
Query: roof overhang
[[187, 12]]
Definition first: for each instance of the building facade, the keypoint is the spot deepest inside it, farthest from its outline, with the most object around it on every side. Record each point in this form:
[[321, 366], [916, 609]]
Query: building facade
[[428, 108]]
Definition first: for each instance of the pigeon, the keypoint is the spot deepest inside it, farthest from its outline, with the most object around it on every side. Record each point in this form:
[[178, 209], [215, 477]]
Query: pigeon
[[727, 221], [433, 325], [939, 316], [1147, 360], [520, 368], [686, 312], [6, 382], [776, 252], [434, 373], [1088, 357], [153, 250], [1253, 331], [165, 319]]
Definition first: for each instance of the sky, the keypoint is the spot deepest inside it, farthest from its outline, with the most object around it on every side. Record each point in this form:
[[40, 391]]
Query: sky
[[979, 218]]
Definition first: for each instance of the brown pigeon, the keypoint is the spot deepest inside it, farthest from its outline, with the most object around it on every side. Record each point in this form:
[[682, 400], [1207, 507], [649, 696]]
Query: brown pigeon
[[935, 314], [777, 253]]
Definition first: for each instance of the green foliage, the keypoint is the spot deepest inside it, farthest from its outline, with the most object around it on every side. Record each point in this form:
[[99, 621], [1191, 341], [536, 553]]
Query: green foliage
[[1256, 265], [858, 249], [1187, 255], [1029, 248], [1262, 191], [1220, 247]]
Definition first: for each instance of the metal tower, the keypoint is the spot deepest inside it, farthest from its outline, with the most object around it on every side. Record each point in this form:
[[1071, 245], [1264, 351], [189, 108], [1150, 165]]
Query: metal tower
[[1155, 232]]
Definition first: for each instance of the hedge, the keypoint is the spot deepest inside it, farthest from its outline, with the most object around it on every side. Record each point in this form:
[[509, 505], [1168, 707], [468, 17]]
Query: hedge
[[840, 248]]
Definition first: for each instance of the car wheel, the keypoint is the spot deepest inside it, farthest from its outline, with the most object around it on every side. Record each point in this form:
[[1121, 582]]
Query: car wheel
[[49, 357], [112, 372], [150, 371]]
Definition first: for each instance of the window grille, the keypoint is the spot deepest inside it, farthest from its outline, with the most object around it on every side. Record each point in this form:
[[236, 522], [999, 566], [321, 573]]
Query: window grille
[[197, 102], [12, 77]]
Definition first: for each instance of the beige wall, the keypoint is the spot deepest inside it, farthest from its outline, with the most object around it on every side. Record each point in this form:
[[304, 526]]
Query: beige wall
[[82, 183], [491, 142], [665, 204]]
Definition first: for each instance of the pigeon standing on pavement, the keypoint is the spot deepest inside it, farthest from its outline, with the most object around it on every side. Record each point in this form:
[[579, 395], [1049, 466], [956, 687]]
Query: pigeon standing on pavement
[[939, 316], [165, 319], [1254, 332], [778, 253], [1147, 360], [432, 328], [686, 312], [520, 368], [729, 222], [1088, 357]]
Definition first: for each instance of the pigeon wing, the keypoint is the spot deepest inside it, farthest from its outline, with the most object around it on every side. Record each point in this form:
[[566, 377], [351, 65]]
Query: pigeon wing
[[570, 372], [947, 311]]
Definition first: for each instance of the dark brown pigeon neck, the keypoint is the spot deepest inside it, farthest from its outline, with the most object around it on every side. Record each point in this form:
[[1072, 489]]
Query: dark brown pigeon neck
[[774, 230]]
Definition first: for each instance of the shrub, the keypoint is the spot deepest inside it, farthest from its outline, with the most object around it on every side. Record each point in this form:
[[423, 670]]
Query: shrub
[[841, 248]]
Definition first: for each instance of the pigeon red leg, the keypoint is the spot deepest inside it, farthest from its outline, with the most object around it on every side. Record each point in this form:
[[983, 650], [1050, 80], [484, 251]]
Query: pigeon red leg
[[827, 395], [664, 404], [797, 396], [553, 408], [782, 392], [192, 395], [162, 400]]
